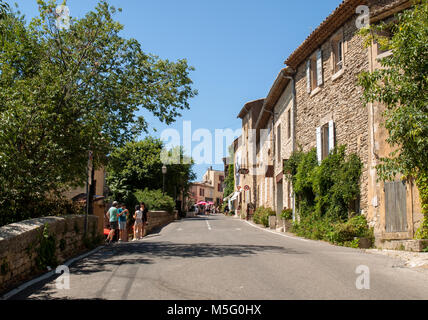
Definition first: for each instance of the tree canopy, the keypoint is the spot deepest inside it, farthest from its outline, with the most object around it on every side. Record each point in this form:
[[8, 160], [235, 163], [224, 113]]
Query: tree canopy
[[137, 166], [64, 92]]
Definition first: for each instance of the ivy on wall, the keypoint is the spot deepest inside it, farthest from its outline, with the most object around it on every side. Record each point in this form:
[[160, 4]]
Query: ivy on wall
[[326, 194]]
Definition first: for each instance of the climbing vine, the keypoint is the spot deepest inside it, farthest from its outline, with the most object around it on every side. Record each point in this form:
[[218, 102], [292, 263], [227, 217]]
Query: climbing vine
[[326, 195]]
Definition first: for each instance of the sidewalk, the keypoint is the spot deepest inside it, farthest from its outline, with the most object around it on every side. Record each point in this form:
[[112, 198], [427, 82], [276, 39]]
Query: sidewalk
[[412, 259]]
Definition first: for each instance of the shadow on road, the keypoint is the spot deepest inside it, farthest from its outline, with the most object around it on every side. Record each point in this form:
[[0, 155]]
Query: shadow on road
[[108, 259]]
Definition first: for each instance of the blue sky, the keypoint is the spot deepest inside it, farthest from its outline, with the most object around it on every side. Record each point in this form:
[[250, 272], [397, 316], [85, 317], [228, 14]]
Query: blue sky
[[237, 47]]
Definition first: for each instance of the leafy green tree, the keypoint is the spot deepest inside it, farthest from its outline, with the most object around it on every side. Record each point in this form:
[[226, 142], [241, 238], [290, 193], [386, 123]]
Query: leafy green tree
[[138, 165], [63, 92], [401, 85], [230, 175], [230, 180], [4, 7], [155, 200]]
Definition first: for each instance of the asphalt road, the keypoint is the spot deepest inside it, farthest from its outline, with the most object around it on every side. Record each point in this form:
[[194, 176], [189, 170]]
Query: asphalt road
[[224, 258]]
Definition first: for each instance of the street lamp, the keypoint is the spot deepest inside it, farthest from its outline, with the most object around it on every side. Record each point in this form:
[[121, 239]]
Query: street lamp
[[164, 169]]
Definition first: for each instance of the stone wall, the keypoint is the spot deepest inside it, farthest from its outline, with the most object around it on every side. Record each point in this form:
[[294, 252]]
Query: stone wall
[[158, 219], [337, 99], [20, 243]]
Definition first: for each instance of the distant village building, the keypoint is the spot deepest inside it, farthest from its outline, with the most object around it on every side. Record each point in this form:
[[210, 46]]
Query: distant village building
[[315, 102]]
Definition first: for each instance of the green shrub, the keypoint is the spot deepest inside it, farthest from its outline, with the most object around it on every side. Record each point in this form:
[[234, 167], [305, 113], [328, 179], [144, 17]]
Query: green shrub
[[287, 214], [336, 184], [326, 194], [346, 232], [261, 215], [155, 200]]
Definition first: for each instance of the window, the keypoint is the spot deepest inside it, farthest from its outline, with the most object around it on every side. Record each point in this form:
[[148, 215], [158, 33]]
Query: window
[[314, 72], [219, 188], [221, 178], [325, 140], [202, 192], [337, 54], [386, 33], [289, 124]]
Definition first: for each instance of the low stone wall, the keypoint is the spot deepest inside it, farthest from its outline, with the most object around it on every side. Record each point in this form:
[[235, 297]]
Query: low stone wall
[[20, 244], [405, 245], [158, 219]]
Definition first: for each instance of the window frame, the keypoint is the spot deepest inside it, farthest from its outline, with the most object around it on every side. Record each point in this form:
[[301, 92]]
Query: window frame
[[338, 53]]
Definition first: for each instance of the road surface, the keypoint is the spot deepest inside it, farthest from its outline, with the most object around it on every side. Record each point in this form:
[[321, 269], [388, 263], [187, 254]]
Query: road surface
[[224, 258]]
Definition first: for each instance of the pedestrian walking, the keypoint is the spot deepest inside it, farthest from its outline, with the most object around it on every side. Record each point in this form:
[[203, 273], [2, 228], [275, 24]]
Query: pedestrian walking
[[123, 215], [113, 219], [226, 210], [138, 225], [144, 210]]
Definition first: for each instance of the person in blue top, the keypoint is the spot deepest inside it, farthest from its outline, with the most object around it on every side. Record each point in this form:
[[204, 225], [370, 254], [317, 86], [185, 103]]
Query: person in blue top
[[122, 213], [112, 216]]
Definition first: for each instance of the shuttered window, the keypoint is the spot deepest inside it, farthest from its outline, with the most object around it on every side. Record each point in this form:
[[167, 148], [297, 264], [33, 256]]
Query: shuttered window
[[395, 207], [314, 71], [319, 68], [308, 76], [325, 136]]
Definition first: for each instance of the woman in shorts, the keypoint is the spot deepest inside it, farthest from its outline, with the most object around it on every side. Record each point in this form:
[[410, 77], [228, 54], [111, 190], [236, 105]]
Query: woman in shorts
[[138, 226], [123, 214]]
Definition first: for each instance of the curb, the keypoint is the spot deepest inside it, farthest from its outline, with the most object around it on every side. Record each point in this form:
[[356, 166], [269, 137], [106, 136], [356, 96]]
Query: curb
[[47, 275], [275, 232]]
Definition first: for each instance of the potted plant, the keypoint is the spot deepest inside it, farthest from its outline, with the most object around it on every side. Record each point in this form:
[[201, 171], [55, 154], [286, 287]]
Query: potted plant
[[287, 217]]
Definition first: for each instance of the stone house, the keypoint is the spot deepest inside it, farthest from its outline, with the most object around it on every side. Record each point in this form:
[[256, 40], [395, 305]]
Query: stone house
[[329, 112], [246, 165], [273, 146], [215, 178]]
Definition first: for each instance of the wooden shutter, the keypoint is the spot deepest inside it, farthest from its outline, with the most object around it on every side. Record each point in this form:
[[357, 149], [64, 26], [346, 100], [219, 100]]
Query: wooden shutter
[[395, 207], [319, 68], [308, 76], [331, 140], [319, 145]]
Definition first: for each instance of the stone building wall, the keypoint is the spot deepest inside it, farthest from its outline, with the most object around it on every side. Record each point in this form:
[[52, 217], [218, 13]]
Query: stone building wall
[[338, 99], [264, 184], [19, 244], [281, 109]]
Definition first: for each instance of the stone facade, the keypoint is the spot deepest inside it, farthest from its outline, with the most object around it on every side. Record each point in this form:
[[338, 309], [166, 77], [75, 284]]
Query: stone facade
[[247, 155], [283, 131], [332, 98], [319, 90], [338, 99], [379, 148], [19, 243]]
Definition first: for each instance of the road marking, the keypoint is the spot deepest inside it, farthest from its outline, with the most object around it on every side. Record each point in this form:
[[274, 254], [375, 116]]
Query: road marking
[[179, 229], [208, 224], [238, 229], [279, 234]]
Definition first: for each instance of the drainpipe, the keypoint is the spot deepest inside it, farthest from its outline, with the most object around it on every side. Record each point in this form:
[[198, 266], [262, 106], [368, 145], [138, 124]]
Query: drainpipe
[[293, 133]]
